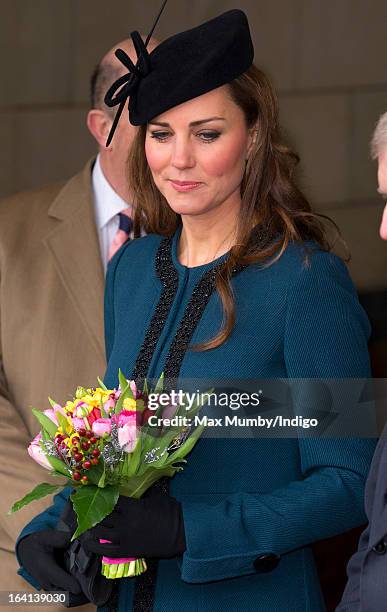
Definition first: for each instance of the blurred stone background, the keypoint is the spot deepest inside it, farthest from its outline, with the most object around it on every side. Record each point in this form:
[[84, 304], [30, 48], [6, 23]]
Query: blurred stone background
[[328, 61]]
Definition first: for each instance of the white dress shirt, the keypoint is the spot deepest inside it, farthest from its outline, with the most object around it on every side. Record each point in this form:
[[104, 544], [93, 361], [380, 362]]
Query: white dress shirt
[[107, 205]]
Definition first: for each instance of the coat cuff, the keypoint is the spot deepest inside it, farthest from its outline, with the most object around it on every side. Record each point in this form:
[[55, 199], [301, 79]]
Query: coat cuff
[[198, 566], [24, 574], [220, 568]]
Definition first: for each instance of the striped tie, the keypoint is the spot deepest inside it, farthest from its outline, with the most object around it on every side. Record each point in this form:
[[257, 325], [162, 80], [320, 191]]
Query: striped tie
[[123, 232]]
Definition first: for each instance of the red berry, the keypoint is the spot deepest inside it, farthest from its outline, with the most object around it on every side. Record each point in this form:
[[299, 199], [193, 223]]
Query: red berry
[[78, 457], [89, 434], [75, 440], [77, 476], [85, 479], [85, 446], [96, 452], [82, 432], [95, 461], [93, 440], [87, 465]]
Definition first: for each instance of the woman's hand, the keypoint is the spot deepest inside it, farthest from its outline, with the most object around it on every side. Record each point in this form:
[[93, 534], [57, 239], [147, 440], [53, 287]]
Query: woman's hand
[[39, 554], [148, 527]]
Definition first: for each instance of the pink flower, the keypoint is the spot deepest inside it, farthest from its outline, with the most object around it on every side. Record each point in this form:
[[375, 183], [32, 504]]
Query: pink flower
[[126, 416], [101, 427], [50, 413], [36, 452], [128, 436], [134, 389], [78, 423], [109, 404], [58, 408]]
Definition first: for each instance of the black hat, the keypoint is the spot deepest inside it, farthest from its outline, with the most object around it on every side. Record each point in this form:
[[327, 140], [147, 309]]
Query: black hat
[[183, 66]]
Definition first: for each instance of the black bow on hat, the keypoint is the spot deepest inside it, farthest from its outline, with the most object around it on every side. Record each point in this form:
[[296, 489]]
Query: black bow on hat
[[125, 85], [182, 67]]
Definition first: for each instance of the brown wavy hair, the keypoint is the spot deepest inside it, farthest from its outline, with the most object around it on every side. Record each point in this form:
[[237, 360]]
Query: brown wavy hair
[[274, 211]]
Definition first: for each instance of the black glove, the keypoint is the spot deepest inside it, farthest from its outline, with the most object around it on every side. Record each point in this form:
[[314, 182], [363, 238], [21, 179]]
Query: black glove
[[147, 527], [83, 565], [41, 553]]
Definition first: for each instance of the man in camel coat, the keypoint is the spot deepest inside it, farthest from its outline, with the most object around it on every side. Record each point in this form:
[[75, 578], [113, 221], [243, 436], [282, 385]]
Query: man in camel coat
[[55, 243]]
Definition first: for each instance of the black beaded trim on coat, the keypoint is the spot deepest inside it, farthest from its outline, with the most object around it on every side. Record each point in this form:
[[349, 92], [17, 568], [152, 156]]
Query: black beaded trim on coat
[[169, 277], [145, 584]]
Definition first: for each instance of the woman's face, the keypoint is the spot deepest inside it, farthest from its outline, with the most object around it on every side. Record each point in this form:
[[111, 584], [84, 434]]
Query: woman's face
[[196, 152]]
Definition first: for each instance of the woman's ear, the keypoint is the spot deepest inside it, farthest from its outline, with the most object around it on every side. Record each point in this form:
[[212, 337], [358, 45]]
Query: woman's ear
[[99, 125]]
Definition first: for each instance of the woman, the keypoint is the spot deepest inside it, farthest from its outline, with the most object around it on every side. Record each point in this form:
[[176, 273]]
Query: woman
[[225, 270]]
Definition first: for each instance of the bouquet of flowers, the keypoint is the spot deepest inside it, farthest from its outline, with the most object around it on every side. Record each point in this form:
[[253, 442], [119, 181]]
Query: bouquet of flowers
[[102, 443]]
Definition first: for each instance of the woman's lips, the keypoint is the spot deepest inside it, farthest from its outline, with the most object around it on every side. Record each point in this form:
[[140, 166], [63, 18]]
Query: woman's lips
[[185, 185]]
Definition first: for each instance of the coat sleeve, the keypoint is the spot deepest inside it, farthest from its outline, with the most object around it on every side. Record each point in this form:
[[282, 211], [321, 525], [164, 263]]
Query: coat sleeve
[[18, 473], [326, 336], [351, 597]]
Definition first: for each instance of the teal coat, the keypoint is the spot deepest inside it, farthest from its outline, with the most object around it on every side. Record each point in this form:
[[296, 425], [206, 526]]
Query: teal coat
[[242, 499]]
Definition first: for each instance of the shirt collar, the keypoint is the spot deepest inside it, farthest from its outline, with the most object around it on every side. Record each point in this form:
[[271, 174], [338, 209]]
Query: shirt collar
[[106, 201]]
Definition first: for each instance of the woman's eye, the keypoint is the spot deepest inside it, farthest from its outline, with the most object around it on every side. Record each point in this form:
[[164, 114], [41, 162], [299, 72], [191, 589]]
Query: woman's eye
[[208, 135], [159, 135]]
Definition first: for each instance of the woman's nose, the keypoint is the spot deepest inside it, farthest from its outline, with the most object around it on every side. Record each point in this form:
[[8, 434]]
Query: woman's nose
[[182, 154]]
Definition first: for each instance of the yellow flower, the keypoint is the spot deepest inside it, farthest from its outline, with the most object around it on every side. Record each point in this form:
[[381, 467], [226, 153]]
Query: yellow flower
[[129, 404], [69, 406]]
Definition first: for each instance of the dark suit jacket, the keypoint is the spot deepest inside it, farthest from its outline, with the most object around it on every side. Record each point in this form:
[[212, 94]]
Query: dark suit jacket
[[366, 590]]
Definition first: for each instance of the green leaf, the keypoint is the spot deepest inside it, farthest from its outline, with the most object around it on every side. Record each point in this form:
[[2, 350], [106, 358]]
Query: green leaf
[[45, 422], [59, 466], [128, 393], [45, 437], [136, 486], [41, 490], [102, 409], [124, 384], [160, 384], [62, 421], [52, 402], [145, 389], [92, 504], [132, 461], [101, 482], [102, 384], [122, 380], [95, 473]]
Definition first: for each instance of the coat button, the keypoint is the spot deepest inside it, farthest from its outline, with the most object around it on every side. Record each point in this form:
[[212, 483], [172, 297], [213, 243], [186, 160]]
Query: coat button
[[380, 548], [267, 562]]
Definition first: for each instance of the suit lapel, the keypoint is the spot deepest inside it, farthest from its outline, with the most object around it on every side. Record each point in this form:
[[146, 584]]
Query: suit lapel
[[74, 247]]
